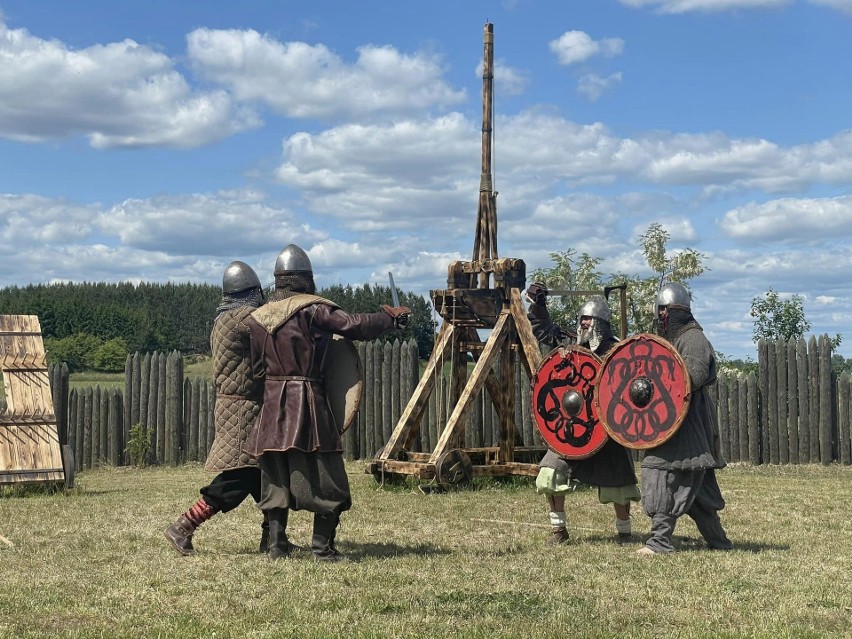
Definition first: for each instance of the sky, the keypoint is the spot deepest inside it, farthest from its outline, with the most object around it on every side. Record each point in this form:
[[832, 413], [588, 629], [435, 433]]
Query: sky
[[158, 141]]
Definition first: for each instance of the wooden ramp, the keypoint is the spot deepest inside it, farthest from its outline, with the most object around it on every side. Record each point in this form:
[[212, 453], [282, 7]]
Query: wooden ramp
[[29, 439]]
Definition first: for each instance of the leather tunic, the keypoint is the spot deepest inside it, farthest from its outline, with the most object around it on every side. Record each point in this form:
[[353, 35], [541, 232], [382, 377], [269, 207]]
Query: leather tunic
[[289, 339]]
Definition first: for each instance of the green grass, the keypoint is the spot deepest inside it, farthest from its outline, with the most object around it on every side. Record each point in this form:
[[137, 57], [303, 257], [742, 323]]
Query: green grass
[[193, 367], [93, 563]]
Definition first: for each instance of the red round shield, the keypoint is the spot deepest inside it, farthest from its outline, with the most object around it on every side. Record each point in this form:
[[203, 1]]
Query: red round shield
[[562, 402], [642, 391]]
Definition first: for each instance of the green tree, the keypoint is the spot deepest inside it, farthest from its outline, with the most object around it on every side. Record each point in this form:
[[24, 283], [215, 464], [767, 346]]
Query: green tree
[[110, 356], [781, 319], [77, 351], [580, 273]]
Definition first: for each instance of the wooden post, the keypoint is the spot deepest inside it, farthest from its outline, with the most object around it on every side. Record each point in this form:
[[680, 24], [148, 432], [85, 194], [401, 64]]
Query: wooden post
[[194, 406], [127, 422], [370, 400], [843, 421], [772, 401], [385, 353], [75, 430], [87, 428], [813, 385], [754, 425], [793, 400], [116, 413], [804, 402], [743, 400], [826, 387], [104, 426], [174, 406], [163, 443], [722, 415], [783, 435]]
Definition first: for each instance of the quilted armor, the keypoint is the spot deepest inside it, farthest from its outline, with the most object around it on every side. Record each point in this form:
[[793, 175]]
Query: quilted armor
[[238, 395]]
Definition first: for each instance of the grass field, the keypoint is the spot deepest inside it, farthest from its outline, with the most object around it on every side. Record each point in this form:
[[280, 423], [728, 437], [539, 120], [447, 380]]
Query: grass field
[[470, 563]]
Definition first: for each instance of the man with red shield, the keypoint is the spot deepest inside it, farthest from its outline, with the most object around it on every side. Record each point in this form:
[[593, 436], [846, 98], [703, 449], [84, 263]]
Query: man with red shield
[[611, 468], [678, 476]]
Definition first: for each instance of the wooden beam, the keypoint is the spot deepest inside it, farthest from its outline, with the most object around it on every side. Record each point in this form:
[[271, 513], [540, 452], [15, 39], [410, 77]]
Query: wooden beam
[[493, 348], [530, 352]]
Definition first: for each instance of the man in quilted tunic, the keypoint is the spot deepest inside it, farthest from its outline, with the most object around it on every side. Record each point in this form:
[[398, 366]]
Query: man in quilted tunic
[[296, 439], [237, 404], [611, 469], [679, 476]]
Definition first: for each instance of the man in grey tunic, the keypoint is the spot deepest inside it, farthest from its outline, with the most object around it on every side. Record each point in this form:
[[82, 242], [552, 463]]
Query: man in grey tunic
[[679, 476], [611, 469], [237, 404]]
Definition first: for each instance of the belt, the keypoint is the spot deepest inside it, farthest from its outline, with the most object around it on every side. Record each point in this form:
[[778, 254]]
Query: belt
[[295, 378]]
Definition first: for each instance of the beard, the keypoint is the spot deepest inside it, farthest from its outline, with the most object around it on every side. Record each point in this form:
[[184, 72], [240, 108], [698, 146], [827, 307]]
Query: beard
[[584, 335]]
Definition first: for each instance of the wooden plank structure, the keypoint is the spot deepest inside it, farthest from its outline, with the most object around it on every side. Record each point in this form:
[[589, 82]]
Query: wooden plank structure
[[482, 294], [29, 439]]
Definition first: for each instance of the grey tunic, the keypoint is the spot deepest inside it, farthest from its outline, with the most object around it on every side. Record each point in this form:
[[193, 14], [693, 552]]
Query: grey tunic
[[696, 445]]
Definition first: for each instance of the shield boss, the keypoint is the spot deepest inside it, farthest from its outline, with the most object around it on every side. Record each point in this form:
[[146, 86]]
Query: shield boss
[[642, 391], [562, 402]]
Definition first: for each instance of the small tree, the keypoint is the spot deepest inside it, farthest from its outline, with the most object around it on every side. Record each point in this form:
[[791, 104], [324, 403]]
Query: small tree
[[581, 273], [111, 356], [781, 319]]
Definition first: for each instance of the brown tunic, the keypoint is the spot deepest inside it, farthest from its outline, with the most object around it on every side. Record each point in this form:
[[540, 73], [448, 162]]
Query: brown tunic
[[289, 339]]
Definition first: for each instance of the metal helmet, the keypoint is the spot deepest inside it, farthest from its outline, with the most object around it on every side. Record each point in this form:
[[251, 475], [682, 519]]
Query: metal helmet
[[292, 258], [673, 294], [239, 276], [596, 306]]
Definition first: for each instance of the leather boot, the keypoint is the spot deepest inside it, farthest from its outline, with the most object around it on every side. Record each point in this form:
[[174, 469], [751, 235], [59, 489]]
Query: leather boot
[[264, 535], [279, 545], [558, 536], [180, 535], [322, 541]]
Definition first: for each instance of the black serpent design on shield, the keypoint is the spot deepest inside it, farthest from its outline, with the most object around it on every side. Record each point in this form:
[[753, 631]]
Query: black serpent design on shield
[[645, 420], [567, 428]]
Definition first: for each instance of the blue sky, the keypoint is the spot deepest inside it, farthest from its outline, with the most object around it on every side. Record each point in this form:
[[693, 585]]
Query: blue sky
[[158, 141]]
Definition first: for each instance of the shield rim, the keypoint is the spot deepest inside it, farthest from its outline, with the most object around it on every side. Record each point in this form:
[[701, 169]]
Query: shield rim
[[559, 350], [687, 394], [340, 344]]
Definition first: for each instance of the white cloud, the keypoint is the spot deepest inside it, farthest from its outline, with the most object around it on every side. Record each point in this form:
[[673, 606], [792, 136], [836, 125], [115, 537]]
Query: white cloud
[[29, 221], [594, 86], [375, 177], [575, 46], [311, 81], [220, 224], [121, 94], [841, 5], [685, 6], [790, 219]]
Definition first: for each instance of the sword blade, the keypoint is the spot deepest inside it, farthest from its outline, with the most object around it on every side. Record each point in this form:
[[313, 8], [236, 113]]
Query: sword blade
[[394, 293]]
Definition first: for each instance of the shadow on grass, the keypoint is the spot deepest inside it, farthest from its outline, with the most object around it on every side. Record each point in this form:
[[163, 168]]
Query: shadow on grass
[[356, 550]]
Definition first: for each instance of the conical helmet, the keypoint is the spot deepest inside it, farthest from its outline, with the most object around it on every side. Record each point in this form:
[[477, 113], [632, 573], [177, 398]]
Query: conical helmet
[[673, 294], [292, 258], [239, 276], [596, 306]]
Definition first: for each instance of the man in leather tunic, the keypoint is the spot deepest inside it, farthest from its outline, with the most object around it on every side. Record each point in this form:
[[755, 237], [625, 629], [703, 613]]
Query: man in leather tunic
[[296, 439], [611, 469], [237, 405], [679, 476]]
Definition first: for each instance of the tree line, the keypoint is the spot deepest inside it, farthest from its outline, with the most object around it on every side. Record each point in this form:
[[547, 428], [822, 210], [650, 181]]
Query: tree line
[[95, 325]]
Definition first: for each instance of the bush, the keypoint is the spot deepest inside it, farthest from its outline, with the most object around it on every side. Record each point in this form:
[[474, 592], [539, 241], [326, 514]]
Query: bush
[[78, 351], [139, 445], [110, 356]]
